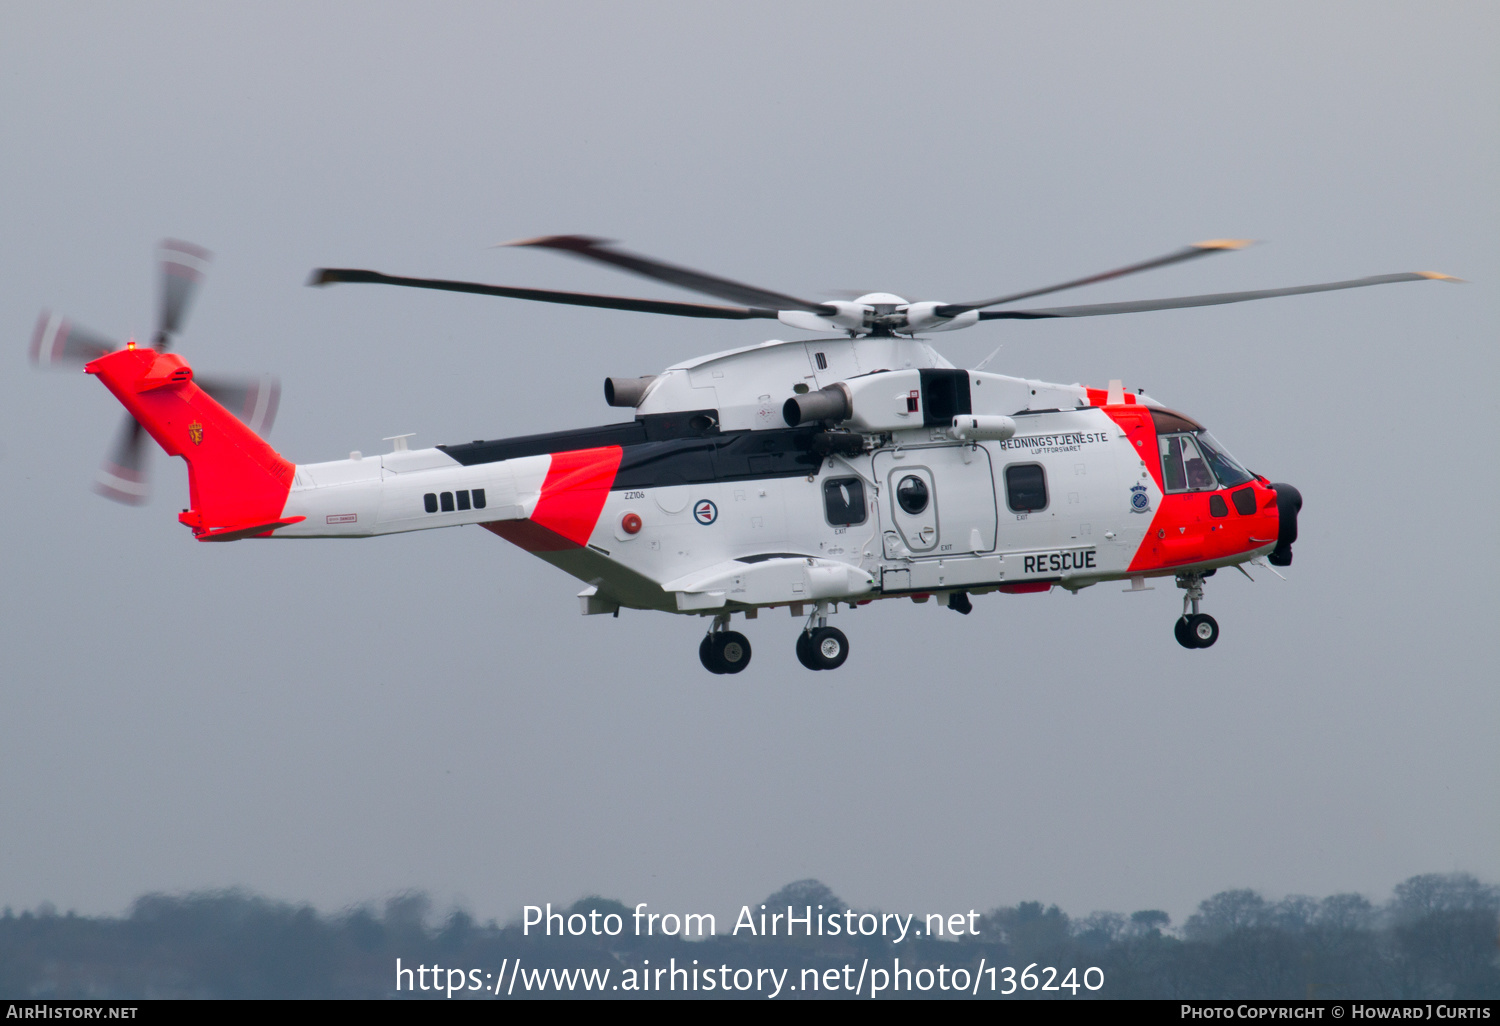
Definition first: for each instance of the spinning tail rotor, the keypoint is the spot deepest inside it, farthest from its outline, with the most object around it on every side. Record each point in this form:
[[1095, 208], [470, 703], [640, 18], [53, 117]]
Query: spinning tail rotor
[[59, 343]]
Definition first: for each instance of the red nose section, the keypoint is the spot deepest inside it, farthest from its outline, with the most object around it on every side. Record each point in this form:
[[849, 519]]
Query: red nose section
[[235, 479]]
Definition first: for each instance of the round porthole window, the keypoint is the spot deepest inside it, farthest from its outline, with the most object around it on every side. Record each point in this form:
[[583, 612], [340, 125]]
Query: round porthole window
[[912, 494]]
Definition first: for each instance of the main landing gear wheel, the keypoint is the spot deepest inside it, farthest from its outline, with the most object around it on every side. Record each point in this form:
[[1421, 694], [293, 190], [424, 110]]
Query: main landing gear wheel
[[724, 652], [824, 648], [1196, 631]]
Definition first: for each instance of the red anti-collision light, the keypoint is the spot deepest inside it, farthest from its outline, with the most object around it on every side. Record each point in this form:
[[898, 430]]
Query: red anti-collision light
[[630, 523]]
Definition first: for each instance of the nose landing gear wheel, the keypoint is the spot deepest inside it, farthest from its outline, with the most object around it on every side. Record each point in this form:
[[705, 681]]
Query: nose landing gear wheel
[[724, 652], [1196, 631], [825, 648]]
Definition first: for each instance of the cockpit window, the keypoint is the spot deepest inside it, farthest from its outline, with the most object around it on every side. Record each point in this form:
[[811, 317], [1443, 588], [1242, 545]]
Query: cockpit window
[[1183, 467], [1197, 463], [1229, 472]]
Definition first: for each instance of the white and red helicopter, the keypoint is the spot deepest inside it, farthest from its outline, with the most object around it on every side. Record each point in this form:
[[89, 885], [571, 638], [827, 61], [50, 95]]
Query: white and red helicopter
[[797, 474]]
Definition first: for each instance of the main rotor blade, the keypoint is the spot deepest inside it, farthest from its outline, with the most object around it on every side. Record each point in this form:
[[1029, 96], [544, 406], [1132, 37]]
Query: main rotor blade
[[684, 277], [1197, 249], [1182, 302], [123, 475], [253, 400], [182, 268], [331, 275], [58, 340]]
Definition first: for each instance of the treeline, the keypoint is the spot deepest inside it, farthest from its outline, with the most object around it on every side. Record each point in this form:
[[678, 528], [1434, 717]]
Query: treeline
[[1437, 937]]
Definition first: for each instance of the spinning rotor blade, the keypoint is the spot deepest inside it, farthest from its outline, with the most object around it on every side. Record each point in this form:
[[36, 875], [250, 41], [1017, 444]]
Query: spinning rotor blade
[[123, 475], [710, 285], [1182, 302], [253, 400], [1197, 249], [332, 275], [182, 267], [58, 340]]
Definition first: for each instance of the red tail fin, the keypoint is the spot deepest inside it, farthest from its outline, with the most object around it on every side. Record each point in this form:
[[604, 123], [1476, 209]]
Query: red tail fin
[[235, 479]]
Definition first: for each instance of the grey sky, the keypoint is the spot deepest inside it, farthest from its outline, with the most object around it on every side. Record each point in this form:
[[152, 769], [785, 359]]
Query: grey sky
[[331, 722]]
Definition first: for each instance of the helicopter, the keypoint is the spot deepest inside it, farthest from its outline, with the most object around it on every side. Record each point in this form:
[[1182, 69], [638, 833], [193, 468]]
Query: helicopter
[[804, 474]]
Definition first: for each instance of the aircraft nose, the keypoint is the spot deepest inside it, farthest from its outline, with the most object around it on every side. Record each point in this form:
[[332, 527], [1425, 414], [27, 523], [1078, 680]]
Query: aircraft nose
[[1288, 505]]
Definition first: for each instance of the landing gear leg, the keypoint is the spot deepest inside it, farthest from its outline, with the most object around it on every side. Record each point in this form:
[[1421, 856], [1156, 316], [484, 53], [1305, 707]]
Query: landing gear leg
[[1194, 629], [819, 646], [723, 650]]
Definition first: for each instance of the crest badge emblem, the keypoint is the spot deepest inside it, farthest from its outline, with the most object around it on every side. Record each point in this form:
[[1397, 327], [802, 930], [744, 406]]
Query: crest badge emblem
[[1140, 500], [195, 433], [705, 512]]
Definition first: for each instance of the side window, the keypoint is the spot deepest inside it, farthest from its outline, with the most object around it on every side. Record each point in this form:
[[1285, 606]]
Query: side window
[[1183, 467], [447, 500], [1173, 476], [844, 501], [912, 494], [1026, 487], [478, 494], [463, 499], [429, 502]]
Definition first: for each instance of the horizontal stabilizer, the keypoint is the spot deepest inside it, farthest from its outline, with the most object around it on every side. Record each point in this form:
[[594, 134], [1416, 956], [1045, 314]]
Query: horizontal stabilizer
[[250, 531]]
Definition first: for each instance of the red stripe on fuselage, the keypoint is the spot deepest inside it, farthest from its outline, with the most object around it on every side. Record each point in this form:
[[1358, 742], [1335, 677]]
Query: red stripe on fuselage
[[573, 495], [1100, 396], [1140, 431]]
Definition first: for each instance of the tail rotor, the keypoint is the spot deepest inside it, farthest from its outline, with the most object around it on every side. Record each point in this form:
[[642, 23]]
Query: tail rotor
[[59, 343]]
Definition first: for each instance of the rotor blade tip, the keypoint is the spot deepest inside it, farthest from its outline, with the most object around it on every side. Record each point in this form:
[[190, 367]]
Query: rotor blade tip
[[322, 276], [558, 242], [179, 246], [1436, 276], [1224, 244]]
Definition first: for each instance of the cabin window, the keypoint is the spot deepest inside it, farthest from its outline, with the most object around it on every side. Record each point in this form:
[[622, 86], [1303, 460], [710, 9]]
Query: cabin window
[[1244, 502], [844, 501], [912, 494], [1026, 487], [447, 501], [1217, 506], [478, 494], [429, 501], [463, 499]]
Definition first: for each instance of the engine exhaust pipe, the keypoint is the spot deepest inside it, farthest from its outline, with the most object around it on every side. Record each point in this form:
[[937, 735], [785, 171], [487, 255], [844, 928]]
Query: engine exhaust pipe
[[626, 391], [831, 403]]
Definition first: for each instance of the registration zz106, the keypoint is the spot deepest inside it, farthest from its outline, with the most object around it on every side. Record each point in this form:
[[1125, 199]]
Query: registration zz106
[[1035, 977]]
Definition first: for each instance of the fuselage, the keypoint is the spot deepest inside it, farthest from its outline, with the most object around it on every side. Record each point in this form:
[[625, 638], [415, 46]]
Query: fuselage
[[708, 502]]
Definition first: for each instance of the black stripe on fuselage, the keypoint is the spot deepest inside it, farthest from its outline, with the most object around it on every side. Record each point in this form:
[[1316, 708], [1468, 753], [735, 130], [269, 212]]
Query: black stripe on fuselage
[[654, 427], [668, 449], [733, 456]]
